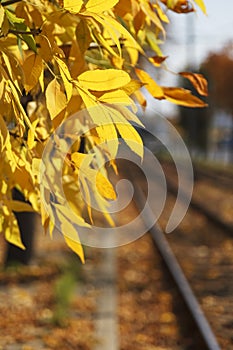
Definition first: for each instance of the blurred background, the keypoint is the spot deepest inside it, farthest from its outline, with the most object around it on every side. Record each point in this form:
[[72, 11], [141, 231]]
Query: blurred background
[[201, 44]]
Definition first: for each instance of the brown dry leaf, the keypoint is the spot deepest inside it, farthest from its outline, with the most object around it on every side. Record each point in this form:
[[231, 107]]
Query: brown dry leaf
[[198, 81], [157, 60], [179, 6], [182, 97]]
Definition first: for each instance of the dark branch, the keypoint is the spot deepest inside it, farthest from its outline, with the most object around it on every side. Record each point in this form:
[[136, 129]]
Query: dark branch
[[9, 2], [20, 32]]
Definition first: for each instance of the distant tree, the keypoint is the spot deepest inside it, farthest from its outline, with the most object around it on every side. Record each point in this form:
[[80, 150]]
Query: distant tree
[[218, 67], [195, 122]]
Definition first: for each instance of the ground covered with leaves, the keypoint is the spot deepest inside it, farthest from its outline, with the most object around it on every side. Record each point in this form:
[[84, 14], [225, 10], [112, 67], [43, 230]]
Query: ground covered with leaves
[[47, 305]]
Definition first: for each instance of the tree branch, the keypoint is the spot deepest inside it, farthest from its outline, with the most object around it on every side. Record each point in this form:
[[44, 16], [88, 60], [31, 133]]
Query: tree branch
[[9, 2], [32, 31]]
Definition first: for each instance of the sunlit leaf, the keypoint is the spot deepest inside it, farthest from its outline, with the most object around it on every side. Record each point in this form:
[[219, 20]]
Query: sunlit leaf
[[19, 206], [75, 246], [99, 80], [154, 89], [98, 6], [12, 233], [202, 6], [32, 68], [13, 18], [161, 14], [73, 5], [131, 138], [66, 77], [116, 96], [105, 187], [31, 134], [55, 98], [69, 231], [132, 86], [2, 15], [127, 131], [182, 97], [78, 158]]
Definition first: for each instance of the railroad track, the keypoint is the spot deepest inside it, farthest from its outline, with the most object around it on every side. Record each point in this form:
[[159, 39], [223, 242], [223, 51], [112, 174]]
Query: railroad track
[[217, 177], [204, 209], [204, 261], [206, 334], [210, 206]]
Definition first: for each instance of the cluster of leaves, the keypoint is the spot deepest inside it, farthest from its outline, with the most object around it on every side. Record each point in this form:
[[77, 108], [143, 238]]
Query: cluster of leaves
[[66, 56]]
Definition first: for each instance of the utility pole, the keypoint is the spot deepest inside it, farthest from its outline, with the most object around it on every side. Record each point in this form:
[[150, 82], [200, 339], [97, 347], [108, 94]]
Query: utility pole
[[190, 41]]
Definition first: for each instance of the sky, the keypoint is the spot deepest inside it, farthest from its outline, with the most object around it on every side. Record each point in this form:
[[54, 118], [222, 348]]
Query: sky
[[204, 33], [192, 37]]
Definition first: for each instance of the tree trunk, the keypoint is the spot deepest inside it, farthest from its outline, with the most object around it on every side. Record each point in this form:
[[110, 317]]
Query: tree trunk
[[26, 222]]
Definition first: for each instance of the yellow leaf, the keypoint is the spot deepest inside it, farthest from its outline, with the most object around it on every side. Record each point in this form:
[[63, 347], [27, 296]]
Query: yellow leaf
[[140, 98], [20, 114], [182, 97], [151, 15], [132, 86], [154, 89], [66, 77], [102, 119], [110, 22], [161, 14], [128, 115], [55, 98], [105, 187], [76, 247], [4, 135], [68, 225], [202, 6], [32, 68], [98, 6], [69, 216], [2, 15], [103, 80], [36, 162], [78, 158], [198, 81], [44, 217], [127, 131], [116, 96], [12, 233], [31, 134], [73, 5], [131, 137], [41, 80], [19, 206]]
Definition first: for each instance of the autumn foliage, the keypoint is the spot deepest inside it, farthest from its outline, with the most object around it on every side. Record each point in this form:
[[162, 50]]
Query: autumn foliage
[[66, 56]]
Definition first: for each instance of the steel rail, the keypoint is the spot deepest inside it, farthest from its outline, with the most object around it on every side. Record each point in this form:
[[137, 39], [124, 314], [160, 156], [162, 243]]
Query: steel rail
[[222, 180], [178, 275], [227, 227]]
